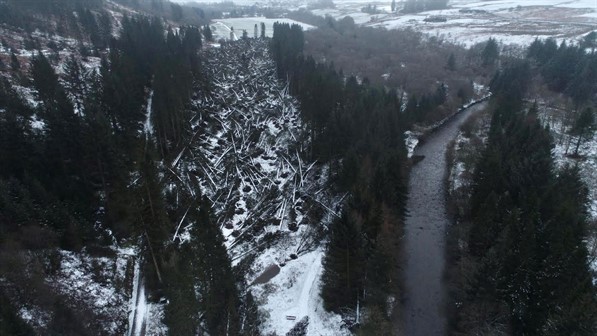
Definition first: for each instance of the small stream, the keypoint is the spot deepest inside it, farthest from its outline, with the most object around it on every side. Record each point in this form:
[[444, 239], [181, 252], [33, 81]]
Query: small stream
[[425, 231]]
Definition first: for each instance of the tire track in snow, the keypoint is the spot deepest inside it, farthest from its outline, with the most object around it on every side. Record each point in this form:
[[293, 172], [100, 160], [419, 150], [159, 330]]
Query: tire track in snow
[[139, 308], [308, 286]]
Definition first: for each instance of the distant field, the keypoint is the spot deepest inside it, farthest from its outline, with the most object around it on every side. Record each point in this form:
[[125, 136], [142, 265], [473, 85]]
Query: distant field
[[223, 27], [469, 22]]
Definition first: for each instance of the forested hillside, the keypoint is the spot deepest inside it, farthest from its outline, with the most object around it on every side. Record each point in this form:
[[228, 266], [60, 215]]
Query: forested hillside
[[156, 182], [139, 167], [90, 122], [521, 261], [356, 128], [432, 78]]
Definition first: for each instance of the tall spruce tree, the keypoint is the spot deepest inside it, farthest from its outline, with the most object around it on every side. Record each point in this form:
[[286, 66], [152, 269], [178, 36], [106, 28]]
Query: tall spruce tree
[[490, 52], [181, 314], [342, 279], [528, 230], [64, 152], [584, 127], [218, 295]]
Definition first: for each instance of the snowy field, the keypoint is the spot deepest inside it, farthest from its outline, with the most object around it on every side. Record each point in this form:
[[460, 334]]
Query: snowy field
[[293, 295], [285, 4], [468, 22], [222, 28]]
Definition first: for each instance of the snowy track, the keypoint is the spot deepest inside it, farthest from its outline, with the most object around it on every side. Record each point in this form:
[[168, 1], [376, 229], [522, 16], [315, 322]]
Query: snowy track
[[138, 304]]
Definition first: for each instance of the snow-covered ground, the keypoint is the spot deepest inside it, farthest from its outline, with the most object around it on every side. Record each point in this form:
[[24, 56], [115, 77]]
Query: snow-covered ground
[[258, 3], [294, 294], [411, 141], [222, 28], [147, 126], [94, 283], [110, 286], [469, 22], [506, 4]]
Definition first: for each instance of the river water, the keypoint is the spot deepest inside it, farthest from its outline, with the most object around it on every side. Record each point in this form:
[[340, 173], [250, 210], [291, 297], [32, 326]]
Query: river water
[[423, 308]]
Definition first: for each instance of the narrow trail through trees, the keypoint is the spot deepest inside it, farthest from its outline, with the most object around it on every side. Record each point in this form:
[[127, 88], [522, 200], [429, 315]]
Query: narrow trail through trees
[[425, 230]]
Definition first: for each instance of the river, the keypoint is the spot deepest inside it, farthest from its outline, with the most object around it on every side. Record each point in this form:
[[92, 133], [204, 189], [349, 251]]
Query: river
[[423, 307]]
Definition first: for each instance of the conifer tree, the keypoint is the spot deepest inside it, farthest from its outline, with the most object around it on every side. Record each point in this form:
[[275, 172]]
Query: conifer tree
[[572, 308], [177, 13], [16, 136], [342, 278], [75, 81], [560, 70], [207, 34], [582, 86], [219, 298], [528, 230], [451, 64], [251, 319], [15, 65], [490, 52], [154, 218], [63, 151], [181, 314], [584, 127]]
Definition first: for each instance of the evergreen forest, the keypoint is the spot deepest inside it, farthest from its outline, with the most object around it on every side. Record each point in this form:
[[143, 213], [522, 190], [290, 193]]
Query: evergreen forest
[[158, 178]]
